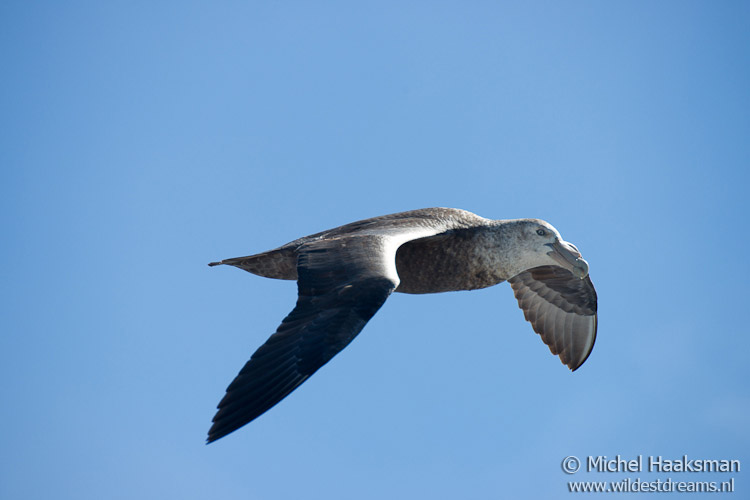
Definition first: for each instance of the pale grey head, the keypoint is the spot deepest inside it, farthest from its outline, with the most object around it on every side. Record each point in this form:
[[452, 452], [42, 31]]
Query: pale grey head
[[532, 243]]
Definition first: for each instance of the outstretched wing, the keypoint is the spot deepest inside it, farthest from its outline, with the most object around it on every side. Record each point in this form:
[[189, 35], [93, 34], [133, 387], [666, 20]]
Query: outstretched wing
[[561, 308], [341, 284]]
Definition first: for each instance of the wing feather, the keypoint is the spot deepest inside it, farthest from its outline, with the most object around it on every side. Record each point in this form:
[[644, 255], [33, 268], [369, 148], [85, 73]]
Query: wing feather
[[561, 308], [340, 287]]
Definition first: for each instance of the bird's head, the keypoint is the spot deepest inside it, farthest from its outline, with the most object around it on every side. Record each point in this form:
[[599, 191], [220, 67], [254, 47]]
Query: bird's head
[[541, 245]]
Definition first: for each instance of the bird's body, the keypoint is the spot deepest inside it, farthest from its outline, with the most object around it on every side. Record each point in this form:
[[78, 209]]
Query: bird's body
[[345, 274]]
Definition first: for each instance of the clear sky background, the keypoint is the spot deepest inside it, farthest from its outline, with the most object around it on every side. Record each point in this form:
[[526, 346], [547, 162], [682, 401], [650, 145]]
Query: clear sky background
[[141, 140]]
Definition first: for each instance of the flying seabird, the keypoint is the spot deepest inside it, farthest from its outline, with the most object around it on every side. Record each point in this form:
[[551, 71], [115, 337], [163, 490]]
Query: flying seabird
[[345, 274]]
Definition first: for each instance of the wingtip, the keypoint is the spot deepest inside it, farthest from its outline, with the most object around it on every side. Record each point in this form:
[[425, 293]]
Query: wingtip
[[573, 366], [212, 264], [213, 436]]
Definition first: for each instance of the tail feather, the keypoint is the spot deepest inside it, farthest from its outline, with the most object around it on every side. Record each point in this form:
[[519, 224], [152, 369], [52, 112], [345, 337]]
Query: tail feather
[[278, 264]]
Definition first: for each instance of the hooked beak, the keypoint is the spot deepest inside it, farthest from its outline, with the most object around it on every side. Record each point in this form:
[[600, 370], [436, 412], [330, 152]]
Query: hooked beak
[[569, 257]]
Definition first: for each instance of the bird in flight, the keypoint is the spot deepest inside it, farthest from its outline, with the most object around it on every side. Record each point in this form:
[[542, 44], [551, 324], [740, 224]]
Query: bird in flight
[[345, 274]]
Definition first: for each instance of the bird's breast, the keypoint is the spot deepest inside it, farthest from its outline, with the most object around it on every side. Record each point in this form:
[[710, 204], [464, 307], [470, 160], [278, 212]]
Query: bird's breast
[[444, 263]]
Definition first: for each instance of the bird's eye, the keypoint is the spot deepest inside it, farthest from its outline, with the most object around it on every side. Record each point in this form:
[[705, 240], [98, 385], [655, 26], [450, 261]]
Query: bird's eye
[[541, 232]]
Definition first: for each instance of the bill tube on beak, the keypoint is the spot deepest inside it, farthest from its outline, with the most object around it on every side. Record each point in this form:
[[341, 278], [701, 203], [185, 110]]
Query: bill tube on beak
[[569, 257]]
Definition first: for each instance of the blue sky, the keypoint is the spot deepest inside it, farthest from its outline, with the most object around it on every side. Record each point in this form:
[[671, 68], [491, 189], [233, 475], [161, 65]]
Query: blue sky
[[142, 140]]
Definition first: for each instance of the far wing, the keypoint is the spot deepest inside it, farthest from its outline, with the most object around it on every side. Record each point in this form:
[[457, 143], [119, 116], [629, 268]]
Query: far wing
[[561, 308], [341, 284]]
